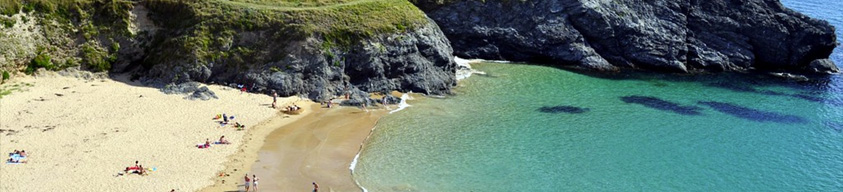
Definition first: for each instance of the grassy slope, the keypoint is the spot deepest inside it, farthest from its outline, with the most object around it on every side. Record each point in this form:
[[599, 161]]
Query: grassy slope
[[197, 28]]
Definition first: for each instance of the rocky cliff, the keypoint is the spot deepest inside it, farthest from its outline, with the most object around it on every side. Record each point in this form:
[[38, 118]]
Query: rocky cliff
[[686, 36], [316, 49]]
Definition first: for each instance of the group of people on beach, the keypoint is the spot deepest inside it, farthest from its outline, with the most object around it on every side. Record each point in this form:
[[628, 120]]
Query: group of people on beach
[[17, 157], [137, 169], [251, 183], [293, 107], [207, 143], [225, 120]]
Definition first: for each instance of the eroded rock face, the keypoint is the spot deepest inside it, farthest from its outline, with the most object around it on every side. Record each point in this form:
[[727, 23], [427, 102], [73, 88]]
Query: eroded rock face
[[661, 35], [419, 60]]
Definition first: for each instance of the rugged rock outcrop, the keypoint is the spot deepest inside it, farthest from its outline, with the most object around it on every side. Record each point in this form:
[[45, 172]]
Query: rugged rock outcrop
[[419, 61], [661, 35], [314, 50]]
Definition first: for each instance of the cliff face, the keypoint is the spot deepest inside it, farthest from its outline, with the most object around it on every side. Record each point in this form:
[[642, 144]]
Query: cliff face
[[315, 49], [661, 35], [419, 60]]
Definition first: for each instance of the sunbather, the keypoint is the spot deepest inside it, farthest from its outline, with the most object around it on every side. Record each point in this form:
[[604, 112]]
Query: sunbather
[[13, 160], [222, 140]]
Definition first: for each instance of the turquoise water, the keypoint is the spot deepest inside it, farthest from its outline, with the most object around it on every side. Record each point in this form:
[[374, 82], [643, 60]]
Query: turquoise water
[[535, 128]]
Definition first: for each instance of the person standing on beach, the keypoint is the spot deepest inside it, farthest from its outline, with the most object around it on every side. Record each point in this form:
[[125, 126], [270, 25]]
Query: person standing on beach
[[247, 183], [255, 182], [274, 98], [315, 187]]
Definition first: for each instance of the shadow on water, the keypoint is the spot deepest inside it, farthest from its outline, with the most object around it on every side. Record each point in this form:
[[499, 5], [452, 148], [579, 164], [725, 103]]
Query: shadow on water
[[837, 126], [563, 109], [748, 89], [660, 104], [752, 114], [816, 84]]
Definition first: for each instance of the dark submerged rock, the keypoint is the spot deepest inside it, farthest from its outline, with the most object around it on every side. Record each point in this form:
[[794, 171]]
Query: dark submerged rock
[[660, 104], [752, 114], [563, 109]]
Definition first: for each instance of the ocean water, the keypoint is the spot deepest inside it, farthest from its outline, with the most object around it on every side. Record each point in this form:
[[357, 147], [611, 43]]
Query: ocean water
[[536, 128]]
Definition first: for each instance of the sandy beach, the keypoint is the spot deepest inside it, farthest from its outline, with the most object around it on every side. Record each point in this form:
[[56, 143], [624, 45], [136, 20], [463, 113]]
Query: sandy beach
[[318, 147], [80, 133]]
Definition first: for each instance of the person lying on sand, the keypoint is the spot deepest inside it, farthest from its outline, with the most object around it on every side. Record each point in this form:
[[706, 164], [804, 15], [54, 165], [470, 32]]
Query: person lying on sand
[[206, 145], [22, 153], [222, 140], [135, 169], [13, 160]]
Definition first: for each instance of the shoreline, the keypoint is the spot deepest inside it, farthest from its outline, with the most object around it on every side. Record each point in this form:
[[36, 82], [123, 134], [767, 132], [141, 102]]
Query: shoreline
[[238, 163], [317, 148]]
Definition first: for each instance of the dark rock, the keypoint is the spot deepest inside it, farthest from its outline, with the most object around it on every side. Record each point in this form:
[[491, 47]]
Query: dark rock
[[358, 98], [660, 35], [660, 104], [192, 89], [790, 76], [752, 114], [823, 66], [391, 100], [182, 88], [418, 60], [203, 93], [563, 109]]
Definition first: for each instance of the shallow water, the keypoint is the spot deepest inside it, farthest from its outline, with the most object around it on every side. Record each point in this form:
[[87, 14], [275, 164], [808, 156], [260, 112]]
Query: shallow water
[[535, 128]]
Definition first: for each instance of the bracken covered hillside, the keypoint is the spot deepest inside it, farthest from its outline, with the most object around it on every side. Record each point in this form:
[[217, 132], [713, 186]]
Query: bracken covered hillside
[[313, 47]]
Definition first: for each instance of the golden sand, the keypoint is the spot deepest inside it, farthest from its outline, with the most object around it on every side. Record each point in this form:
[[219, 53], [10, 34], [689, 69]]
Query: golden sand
[[80, 133]]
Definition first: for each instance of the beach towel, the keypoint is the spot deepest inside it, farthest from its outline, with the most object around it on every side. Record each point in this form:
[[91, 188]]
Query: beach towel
[[9, 162], [220, 143], [202, 146]]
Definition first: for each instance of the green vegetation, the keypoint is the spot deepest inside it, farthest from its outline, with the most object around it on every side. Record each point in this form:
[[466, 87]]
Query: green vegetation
[[198, 32], [6, 90], [42, 60], [5, 76], [340, 23], [7, 22], [98, 60]]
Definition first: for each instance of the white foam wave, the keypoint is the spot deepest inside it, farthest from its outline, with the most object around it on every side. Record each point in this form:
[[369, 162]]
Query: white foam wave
[[403, 104], [464, 69], [354, 163]]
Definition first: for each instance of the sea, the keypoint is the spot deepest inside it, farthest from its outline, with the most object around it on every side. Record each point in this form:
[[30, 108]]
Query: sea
[[521, 127]]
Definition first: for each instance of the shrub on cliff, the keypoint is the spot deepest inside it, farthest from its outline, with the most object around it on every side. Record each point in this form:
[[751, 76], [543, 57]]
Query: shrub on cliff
[[5, 76], [42, 60]]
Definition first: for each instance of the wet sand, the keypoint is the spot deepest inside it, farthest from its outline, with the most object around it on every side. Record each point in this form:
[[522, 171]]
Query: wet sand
[[319, 147]]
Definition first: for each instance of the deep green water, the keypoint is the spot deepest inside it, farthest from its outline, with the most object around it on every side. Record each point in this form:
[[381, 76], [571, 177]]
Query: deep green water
[[535, 128]]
